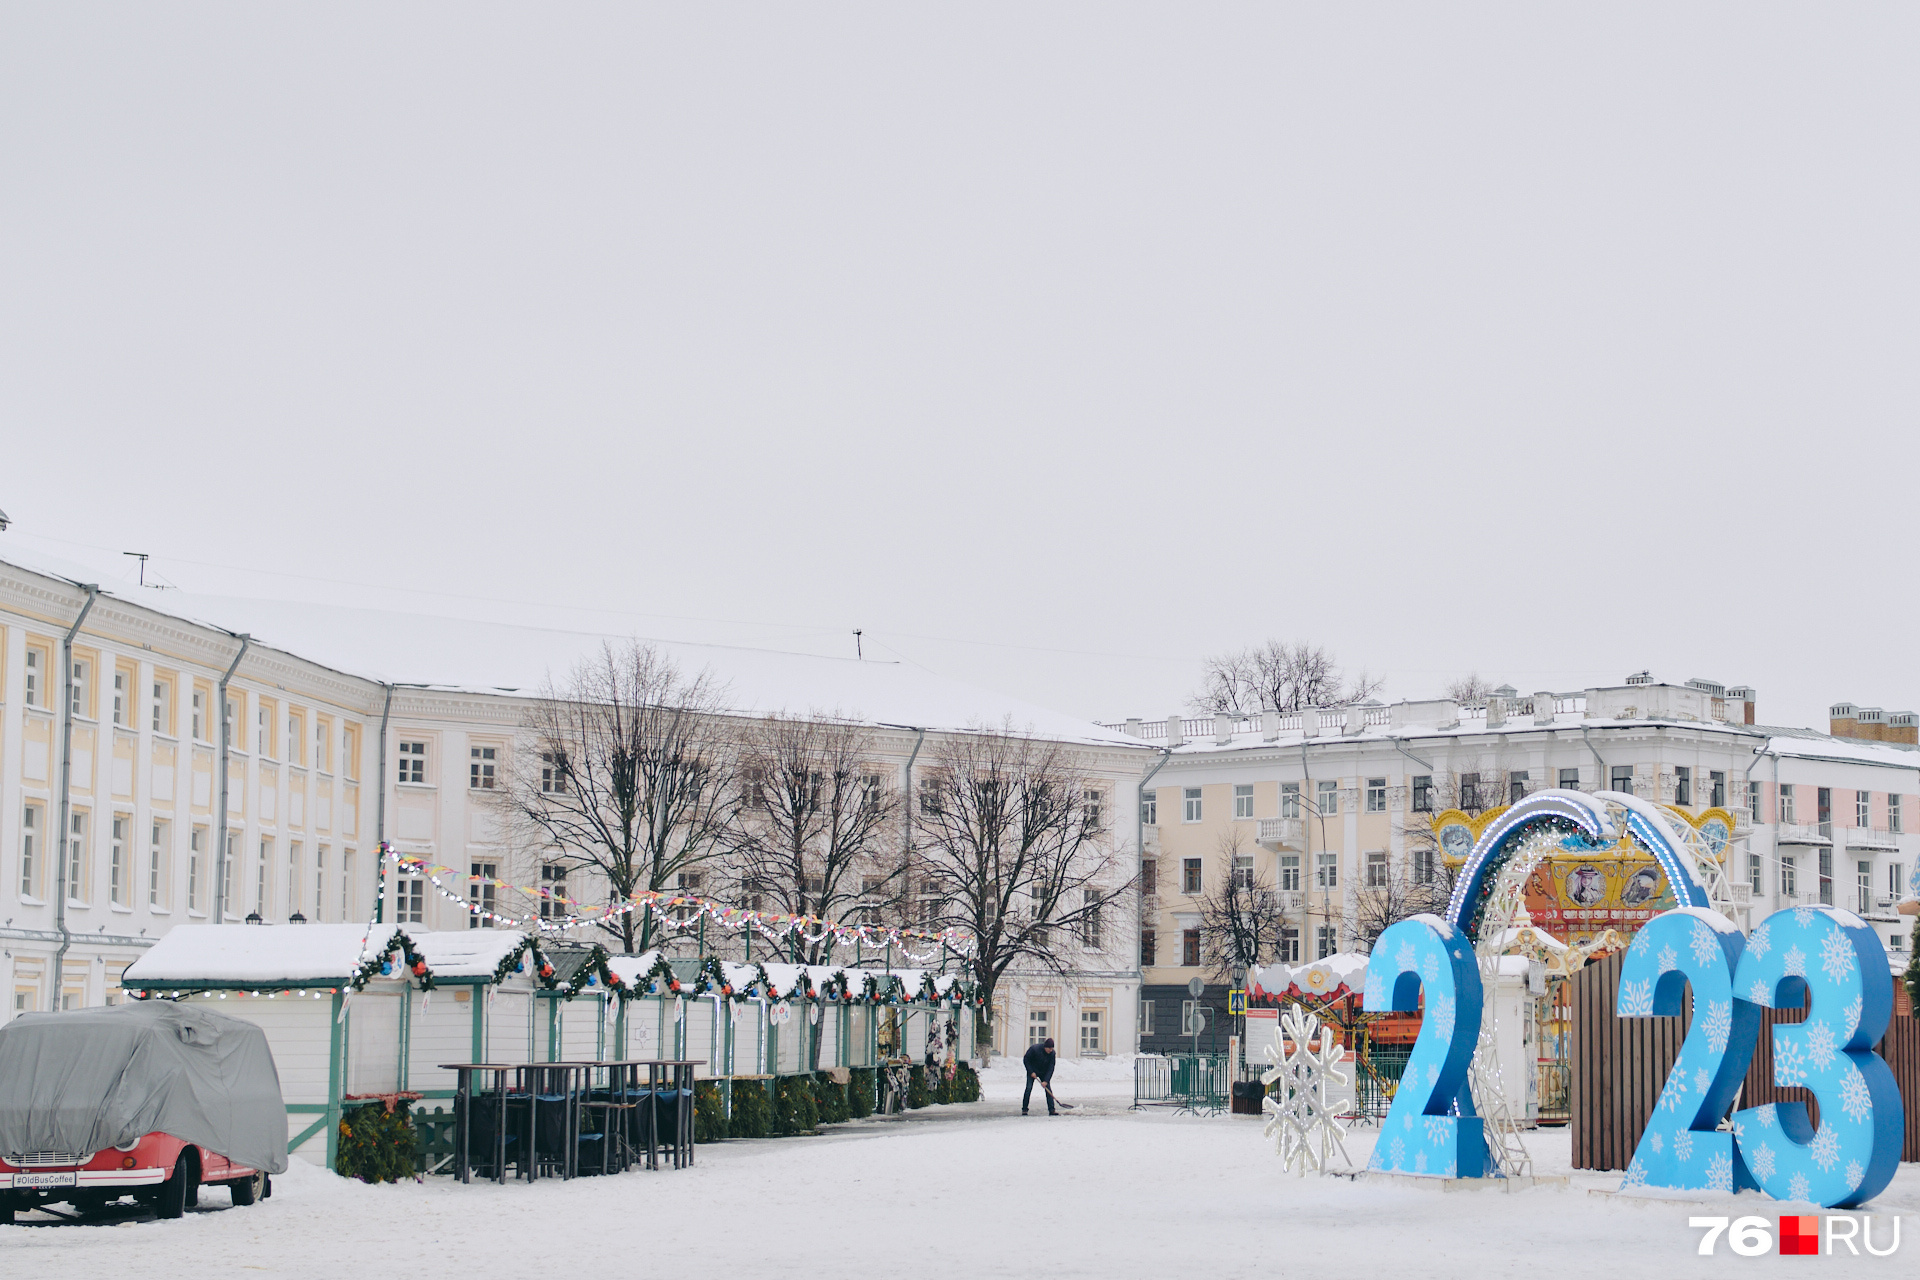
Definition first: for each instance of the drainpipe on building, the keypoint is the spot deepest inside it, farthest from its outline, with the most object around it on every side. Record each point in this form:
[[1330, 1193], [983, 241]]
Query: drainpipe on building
[[66, 787], [226, 748], [1140, 846], [1397, 746], [1605, 782], [380, 821]]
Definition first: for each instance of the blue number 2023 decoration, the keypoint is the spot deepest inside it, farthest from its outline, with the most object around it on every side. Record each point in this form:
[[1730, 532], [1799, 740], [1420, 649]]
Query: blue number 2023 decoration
[[1431, 1128], [1682, 1147], [1831, 962]]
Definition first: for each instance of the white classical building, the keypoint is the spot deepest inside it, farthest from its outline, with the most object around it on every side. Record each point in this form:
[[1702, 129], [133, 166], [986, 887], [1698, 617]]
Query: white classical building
[[345, 729]]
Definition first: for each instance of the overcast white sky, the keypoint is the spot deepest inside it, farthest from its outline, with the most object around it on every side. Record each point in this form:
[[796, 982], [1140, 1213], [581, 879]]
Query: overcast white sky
[[1056, 346]]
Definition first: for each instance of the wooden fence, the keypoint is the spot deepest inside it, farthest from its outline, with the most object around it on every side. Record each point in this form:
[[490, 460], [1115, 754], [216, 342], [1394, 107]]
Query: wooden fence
[[1621, 1064]]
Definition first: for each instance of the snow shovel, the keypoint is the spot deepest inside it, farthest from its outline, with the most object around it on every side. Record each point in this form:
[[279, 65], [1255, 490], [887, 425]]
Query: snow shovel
[[1048, 1086]]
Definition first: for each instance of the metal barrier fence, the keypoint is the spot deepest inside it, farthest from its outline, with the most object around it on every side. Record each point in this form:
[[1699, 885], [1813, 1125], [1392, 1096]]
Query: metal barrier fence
[[1188, 1082]]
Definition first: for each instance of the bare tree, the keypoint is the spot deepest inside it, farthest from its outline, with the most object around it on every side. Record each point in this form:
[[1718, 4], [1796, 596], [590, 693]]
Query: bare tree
[[1014, 851], [1276, 676], [630, 776], [1240, 917], [1404, 894], [816, 831], [1472, 687]]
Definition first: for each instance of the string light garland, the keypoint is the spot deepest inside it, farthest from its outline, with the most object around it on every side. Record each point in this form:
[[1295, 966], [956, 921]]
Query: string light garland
[[682, 913]]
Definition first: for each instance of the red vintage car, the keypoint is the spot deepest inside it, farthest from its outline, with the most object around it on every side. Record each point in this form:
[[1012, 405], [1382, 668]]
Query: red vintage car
[[158, 1169], [152, 1100]]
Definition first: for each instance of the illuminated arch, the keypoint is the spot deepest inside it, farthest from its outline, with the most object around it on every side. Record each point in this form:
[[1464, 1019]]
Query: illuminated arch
[[1587, 821]]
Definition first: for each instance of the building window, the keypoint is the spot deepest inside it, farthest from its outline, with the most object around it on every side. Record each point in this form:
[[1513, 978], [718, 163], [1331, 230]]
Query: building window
[[1717, 788], [1190, 948], [1149, 877], [413, 762], [1863, 873], [1329, 798], [1753, 801], [157, 865], [1150, 808], [33, 677], [480, 891], [1092, 810], [346, 884], [1896, 880], [553, 887], [1753, 873], [1326, 871], [687, 881], [1623, 778], [117, 869], [322, 739], [1289, 799], [1289, 945], [1789, 878], [162, 707], [1423, 793], [1863, 809], [1376, 868], [1191, 796], [1147, 956], [1893, 813], [1242, 800], [1826, 876], [1326, 941], [1190, 875], [76, 857], [196, 846], [296, 738], [1376, 795], [1569, 779], [350, 754], [294, 878], [319, 883], [1469, 791], [1290, 872], [1091, 936], [1090, 1031], [1243, 870], [30, 828], [1516, 786], [199, 704], [480, 768], [409, 900], [263, 731], [1146, 1018], [1423, 866], [1037, 1020], [871, 783], [77, 702], [228, 866], [1192, 1021], [120, 697], [264, 880], [1786, 802], [1682, 785]]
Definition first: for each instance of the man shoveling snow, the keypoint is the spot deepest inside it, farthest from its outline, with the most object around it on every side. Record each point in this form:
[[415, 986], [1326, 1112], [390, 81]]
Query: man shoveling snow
[[1039, 1064]]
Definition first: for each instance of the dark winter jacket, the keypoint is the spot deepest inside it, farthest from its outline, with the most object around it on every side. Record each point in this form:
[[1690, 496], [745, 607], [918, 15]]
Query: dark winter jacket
[[1039, 1062]]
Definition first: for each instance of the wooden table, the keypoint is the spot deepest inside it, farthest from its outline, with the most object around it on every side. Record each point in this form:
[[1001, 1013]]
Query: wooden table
[[463, 1117]]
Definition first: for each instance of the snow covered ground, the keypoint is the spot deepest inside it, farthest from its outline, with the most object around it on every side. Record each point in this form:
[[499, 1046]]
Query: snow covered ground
[[961, 1190]]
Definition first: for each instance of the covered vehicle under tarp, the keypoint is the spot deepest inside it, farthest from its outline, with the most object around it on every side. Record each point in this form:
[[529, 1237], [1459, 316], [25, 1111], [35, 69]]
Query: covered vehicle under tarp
[[88, 1079]]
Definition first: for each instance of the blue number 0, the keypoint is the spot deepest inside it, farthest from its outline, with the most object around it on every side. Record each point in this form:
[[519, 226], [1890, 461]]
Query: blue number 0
[[1834, 964], [1431, 1127], [1680, 1148]]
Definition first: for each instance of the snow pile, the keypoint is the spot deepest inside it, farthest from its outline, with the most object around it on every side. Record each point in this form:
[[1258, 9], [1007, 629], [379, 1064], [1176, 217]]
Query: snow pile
[[294, 954], [466, 953]]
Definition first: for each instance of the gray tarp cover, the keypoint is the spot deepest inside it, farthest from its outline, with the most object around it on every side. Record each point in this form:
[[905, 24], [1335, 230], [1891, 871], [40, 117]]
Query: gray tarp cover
[[89, 1079]]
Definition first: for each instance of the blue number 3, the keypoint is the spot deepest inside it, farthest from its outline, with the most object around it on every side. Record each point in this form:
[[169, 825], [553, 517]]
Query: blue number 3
[[1680, 1149], [1834, 964], [1431, 1127]]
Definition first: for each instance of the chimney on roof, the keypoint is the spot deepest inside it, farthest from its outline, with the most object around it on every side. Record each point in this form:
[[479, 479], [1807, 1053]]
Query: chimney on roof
[[1902, 726], [1843, 720], [1640, 677], [1743, 693]]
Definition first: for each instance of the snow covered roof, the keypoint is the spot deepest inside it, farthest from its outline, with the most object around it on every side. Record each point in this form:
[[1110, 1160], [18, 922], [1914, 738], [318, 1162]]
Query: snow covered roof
[[247, 955], [465, 953], [1810, 744]]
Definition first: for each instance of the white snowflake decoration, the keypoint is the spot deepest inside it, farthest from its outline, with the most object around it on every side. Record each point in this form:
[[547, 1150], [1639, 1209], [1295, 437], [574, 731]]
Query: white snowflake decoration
[[1853, 1017], [1719, 1025], [1761, 994], [1795, 962], [1683, 1145], [1820, 1044], [1765, 1110], [1759, 944], [1302, 1122], [1657, 1142], [1789, 1061], [1720, 1174], [1825, 1148], [1704, 944], [1803, 916], [1856, 1173], [1836, 955], [1636, 999], [1762, 1160], [1669, 960], [1702, 1081], [1797, 1188], [1855, 1098]]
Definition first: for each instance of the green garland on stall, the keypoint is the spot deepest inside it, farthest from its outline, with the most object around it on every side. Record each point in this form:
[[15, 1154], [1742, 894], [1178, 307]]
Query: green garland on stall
[[794, 1109], [416, 964], [376, 1144], [752, 1110], [860, 1101], [709, 1112]]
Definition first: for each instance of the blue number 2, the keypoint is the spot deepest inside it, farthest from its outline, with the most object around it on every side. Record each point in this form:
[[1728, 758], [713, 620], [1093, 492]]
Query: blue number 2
[[1834, 964], [1680, 1148], [1431, 1127]]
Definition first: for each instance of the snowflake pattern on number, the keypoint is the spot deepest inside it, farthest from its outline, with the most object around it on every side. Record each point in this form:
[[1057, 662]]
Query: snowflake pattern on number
[[1430, 970], [1789, 1062], [1705, 945], [1640, 944], [1636, 999], [1440, 1010], [1759, 944], [1719, 1024], [1836, 955], [1433, 1077], [1407, 958], [1702, 1081], [1761, 994], [1855, 1098], [1853, 1017], [1437, 1127], [1765, 1115], [1856, 1173], [1803, 916], [1399, 1153], [1669, 959], [1761, 1158], [1673, 1097], [1655, 1141], [1683, 1145], [1636, 1176], [1820, 1045], [1795, 962], [1376, 992], [1419, 1162], [1720, 1173], [1825, 1148], [1797, 1188]]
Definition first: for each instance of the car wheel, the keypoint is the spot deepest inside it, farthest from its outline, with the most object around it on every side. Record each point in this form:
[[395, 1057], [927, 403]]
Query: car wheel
[[174, 1196], [247, 1190]]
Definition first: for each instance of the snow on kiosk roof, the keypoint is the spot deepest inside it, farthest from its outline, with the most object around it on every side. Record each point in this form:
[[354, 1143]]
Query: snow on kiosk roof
[[269, 957]]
